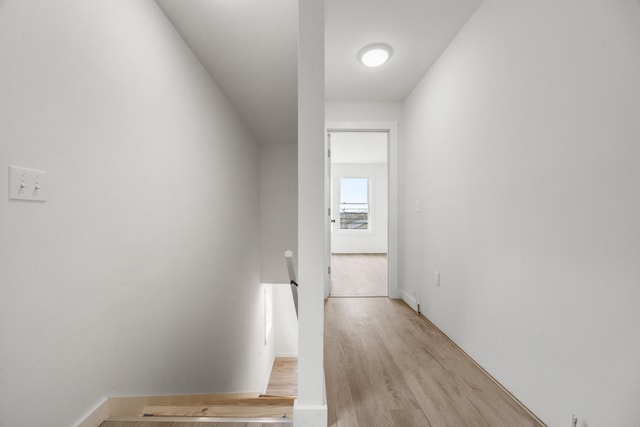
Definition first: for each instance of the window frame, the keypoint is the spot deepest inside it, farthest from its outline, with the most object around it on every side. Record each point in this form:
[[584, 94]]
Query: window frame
[[369, 176]]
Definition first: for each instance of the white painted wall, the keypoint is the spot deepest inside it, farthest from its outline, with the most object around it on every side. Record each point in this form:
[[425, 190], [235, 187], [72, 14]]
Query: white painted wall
[[278, 209], [363, 111], [521, 145], [140, 275], [373, 240], [310, 409], [278, 231], [285, 323]]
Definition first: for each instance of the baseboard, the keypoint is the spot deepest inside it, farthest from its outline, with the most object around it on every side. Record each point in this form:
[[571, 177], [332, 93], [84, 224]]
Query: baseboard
[[495, 381], [310, 415], [409, 299], [95, 416], [287, 355]]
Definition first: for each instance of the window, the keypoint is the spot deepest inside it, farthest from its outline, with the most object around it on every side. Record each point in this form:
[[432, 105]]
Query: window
[[354, 203]]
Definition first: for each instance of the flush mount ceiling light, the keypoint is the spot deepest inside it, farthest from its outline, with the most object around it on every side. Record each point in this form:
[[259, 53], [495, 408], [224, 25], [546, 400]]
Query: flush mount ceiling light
[[374, 55]]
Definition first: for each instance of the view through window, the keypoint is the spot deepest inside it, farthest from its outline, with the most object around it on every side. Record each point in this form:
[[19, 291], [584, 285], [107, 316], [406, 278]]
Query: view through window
[[354, 203]]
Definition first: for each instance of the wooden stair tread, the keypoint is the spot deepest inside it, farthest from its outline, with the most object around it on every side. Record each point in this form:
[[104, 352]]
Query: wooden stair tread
[[261, 407]]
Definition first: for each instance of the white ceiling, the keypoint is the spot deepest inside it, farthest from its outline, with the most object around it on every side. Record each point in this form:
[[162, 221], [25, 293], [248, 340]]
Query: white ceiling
[[359, 147], [417, 30], [249, 47]]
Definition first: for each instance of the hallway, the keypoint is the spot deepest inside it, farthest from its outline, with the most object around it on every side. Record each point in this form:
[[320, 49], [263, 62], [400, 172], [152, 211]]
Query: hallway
[[386, 366], [359, 275]]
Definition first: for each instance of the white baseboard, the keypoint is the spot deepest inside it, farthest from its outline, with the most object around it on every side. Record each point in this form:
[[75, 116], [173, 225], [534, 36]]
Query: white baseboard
[[310, 416], [96, 416], [409, 298], [286, 355]]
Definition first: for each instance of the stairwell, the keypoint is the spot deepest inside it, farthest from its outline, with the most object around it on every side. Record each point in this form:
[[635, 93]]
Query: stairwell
[[273, 408]]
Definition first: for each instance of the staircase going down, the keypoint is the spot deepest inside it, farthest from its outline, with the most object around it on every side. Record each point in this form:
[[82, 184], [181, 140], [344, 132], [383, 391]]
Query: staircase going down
[[274, 409]]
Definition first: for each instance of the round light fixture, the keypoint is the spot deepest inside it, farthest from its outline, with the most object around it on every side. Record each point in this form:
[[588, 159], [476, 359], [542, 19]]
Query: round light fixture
[[374, 55]]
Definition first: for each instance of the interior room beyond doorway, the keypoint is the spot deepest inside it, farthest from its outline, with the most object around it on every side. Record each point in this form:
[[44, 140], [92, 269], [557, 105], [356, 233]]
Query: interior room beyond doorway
[[359, 202]]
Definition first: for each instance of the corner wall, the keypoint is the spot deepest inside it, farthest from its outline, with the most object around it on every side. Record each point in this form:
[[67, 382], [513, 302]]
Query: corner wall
[[279, 233], [141, 273], [310, 409], [521, 146], [278, 209]]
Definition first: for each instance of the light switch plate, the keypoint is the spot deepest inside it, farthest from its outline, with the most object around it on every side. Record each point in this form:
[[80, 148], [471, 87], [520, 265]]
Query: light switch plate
[[27, 184]]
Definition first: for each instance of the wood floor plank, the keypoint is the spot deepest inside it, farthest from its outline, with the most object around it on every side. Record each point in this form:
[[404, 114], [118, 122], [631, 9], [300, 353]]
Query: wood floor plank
[[387, 366], [355, 275], [188, 424], [242, 408], [284, 377], [132, 406]]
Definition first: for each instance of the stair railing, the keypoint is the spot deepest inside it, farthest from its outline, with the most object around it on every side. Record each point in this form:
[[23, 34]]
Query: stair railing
[[288, 256]]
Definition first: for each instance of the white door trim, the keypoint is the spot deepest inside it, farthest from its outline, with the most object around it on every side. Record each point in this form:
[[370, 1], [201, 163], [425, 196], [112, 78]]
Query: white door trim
[[393, 160]]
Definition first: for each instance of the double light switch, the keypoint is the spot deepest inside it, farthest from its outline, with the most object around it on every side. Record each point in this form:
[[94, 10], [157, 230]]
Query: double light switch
[[27, 184]]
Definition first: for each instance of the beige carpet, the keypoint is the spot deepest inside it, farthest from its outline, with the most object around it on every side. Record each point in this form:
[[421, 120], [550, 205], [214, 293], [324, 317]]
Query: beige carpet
[[359, 275]]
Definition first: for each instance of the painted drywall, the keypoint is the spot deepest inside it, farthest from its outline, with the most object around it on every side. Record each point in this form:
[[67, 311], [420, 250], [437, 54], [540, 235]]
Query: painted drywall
[[285, 323], [278, 209], [140, 274], [249, 48], [374, 239], [310, 409], [363, 111], [521, 146], [278, 231]]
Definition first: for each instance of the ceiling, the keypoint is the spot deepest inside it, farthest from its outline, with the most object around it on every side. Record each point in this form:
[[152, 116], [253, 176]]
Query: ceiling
[[249, 47], [417, 30]]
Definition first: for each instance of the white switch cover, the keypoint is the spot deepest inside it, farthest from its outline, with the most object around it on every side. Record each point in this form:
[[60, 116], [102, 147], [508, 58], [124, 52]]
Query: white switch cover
[[27, 184], [436, 278]]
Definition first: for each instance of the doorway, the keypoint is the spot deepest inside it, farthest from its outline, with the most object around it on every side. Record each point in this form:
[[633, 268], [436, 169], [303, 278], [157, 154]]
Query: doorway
[[359, 202]]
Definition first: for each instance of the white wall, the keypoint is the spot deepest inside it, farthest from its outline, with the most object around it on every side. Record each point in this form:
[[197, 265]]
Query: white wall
[[278, 209], [140, 274], [310, 409], [521, 145], [363, 111], [278, 221], [373, 240], [285, 323]]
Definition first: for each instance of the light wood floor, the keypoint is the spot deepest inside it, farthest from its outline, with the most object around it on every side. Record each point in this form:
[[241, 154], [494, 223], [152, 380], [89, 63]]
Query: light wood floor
[[283, 382], [284, 377], [387, 366], [178, 424], [354, 275]]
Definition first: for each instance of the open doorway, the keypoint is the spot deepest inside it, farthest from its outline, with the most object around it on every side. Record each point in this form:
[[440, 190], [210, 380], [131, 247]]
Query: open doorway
[[360, 213]]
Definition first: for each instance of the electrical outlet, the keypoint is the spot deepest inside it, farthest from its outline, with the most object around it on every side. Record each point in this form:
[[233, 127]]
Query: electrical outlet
[[436, 278]]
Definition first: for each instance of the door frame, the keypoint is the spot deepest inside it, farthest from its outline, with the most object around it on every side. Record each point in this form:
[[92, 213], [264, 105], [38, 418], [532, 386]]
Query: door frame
[[391, 128]]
